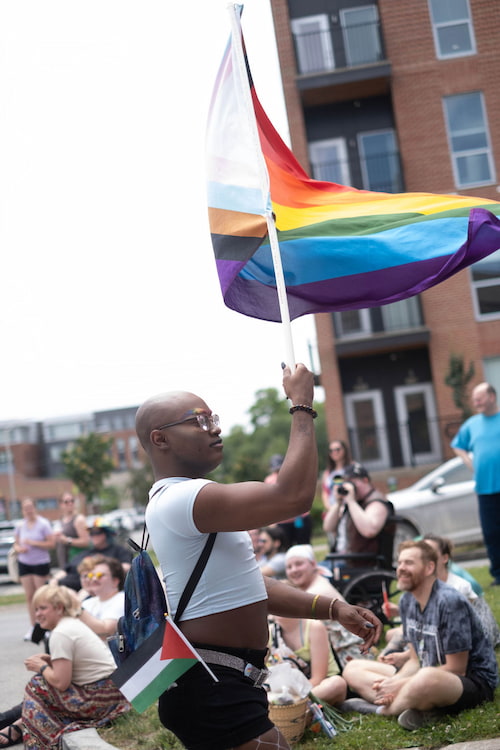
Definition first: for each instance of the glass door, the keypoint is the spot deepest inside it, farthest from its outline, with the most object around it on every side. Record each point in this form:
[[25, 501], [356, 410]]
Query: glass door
[[418, 425], [361, 35], [367, 428]]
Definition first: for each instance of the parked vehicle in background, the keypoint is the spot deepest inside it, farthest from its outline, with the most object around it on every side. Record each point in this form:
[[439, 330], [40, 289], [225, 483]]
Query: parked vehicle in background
[[444, 502], [125, 519], [7, 535]]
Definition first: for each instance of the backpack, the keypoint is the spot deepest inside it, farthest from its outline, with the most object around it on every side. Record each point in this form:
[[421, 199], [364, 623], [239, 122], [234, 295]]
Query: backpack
[[145, 600], [145, 606]]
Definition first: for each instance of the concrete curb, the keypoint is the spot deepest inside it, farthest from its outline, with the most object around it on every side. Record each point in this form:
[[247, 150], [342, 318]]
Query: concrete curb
[[85, 739]]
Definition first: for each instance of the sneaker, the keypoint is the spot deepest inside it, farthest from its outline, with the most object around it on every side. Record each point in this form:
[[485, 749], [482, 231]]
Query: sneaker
[[28, 634], [412, 719], [359, 705]]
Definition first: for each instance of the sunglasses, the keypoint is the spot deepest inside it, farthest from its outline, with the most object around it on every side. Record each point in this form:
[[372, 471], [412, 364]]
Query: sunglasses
[[205, 421], [97, 575]]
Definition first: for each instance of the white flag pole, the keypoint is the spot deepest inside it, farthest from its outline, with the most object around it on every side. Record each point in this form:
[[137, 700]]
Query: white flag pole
[[241, 68]]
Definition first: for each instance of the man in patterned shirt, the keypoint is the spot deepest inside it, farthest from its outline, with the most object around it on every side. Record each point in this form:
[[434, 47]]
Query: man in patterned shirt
[[452, 666]]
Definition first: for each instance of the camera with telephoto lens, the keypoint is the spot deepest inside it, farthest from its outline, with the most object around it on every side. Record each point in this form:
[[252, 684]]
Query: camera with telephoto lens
[[338, 483]]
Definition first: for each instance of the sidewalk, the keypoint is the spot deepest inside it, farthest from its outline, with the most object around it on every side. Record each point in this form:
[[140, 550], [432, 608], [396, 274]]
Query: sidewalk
[[14, 622]]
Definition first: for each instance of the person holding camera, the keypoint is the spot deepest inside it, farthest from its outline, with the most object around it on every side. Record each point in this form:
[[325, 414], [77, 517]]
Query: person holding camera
[[359, 516]]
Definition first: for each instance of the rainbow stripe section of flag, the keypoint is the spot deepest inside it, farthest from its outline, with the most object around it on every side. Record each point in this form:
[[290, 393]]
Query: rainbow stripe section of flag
[[341, 248], [154, 666]]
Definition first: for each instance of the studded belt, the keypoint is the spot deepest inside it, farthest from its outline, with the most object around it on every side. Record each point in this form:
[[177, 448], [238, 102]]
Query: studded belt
[[258, 676]]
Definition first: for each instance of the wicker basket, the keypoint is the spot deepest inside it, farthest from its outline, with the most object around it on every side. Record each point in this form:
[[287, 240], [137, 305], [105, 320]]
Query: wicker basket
[[290, 719]]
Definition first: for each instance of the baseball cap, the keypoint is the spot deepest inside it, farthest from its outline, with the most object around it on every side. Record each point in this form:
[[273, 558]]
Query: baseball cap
[[99, 526], [355, 471]]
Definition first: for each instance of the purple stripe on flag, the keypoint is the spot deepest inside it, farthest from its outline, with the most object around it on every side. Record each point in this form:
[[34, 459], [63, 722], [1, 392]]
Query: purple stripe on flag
[[373, 288]]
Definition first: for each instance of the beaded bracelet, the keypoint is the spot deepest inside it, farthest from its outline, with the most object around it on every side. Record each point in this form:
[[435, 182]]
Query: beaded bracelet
[[330, 608], [313, 606], [303, 407]]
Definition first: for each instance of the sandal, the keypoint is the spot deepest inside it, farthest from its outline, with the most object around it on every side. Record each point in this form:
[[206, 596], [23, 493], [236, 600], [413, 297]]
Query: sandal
[[13, 735]]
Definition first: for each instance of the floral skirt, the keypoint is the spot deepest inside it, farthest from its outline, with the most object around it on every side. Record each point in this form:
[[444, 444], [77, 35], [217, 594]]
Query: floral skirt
[[49, 713]]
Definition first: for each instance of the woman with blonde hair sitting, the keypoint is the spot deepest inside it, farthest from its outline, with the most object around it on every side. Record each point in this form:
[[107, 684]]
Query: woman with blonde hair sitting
[[308, 642], [71, 689]]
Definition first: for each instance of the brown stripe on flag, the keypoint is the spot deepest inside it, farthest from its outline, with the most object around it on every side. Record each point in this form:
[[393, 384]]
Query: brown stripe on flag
[[236, 224]]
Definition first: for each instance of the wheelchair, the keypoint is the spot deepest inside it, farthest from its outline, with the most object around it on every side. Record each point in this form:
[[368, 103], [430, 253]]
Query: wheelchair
[[369, 580]]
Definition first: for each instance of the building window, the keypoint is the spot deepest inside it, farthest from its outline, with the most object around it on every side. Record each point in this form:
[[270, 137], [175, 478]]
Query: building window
[[68, 431], [469, 139], [133, 448], [313, 44], [402, 315], [486, 284], [55, 452], [406, 314], [492, 371], [120, 422], [121, 454], [4, 461], [380, 164], [352, 323], [452, 28], [360, 29], [329, 161]]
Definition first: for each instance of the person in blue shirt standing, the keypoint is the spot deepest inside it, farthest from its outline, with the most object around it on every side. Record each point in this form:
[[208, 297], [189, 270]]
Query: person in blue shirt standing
[[480, 436]]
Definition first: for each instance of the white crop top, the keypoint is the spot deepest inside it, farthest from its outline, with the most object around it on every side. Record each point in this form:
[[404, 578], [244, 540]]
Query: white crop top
[[231, 578]]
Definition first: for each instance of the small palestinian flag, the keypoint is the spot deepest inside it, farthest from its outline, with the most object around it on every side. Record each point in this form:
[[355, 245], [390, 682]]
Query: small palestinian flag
[[155, 665]]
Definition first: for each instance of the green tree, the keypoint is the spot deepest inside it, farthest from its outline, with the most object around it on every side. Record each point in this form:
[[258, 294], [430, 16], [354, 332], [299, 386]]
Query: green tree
[[247, 451], [458, 379], [140, 483], [87, 462]]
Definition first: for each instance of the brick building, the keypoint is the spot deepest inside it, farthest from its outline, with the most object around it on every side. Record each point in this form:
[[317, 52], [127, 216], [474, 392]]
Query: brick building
[[399, 96], [30, 456]]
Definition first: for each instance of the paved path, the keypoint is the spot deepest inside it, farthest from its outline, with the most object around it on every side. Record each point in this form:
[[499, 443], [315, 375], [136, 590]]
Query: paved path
[[13, 675], [14, 623]]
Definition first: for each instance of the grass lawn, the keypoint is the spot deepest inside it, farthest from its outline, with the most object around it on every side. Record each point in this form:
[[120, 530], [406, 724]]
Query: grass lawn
[[144, 732]]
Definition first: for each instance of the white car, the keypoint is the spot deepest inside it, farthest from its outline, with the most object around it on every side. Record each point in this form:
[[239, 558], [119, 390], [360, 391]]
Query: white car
[[443, 502], [7, 536], [124, 519]]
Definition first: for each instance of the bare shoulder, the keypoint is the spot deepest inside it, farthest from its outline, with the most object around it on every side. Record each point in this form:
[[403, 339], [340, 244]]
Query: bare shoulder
[[317, 627]]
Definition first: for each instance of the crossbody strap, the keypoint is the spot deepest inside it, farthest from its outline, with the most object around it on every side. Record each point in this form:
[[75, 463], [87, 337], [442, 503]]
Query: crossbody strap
[[198, 568], [195, 576]]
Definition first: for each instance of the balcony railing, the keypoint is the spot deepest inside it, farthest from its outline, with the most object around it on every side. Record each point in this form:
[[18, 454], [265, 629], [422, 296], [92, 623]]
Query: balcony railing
[[380, 172], [326, 50]]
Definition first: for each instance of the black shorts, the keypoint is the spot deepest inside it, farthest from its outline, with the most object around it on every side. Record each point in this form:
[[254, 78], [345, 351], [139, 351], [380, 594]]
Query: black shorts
[[476, 691], [34, 570], [208, 715]]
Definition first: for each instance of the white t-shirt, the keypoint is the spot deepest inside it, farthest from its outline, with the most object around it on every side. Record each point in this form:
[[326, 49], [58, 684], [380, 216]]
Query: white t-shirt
[[231, 578], [462, 585], [109, 609], [73, 640]]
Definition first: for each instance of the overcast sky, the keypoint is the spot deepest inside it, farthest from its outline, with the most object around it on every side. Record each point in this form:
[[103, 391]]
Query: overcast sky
[[109, 291]]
